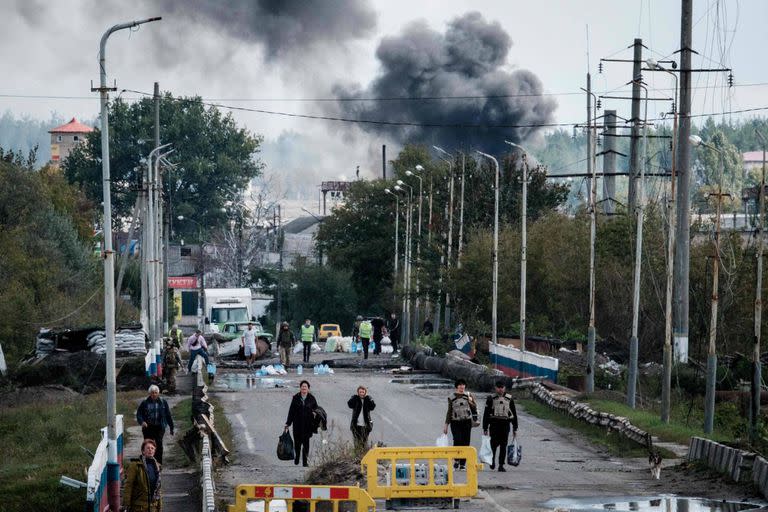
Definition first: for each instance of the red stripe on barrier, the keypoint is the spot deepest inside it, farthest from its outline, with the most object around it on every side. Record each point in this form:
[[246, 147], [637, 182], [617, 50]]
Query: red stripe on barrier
[[262, 492], [339, 494], [302, 492]]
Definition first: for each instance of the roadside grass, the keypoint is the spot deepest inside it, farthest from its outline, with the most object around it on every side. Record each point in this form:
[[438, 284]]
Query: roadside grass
[[43, 440], [649, 420], [615, 445]]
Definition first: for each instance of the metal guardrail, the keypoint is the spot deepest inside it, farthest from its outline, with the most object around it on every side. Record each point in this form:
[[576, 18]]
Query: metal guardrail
[[206, 478], [95, 494], [420, 472], [328, 498]]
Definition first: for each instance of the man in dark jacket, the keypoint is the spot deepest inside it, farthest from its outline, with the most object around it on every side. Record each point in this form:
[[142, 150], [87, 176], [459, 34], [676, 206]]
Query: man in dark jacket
[[378, 333], [154, 416], [285, 341], [393, 326], [498, 415], [301, 415], [362, 405], [428, 328]]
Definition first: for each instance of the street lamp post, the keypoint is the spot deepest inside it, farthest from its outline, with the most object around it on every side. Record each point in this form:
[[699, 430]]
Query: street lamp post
[[709, 396], [666, 383], [449, 161], [405, 318], [397, 221], [417, 313], [113, 466], [523, 245], [495, 258]]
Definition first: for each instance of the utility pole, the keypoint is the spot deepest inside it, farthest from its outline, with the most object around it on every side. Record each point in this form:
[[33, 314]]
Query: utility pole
[[113, 466], [523, 251], [634, 153], [279, 233], [709, 397], [682, 244], [609, 161], [461, 211], [757, 370], [167, 228], [633, 341], [590, 384]]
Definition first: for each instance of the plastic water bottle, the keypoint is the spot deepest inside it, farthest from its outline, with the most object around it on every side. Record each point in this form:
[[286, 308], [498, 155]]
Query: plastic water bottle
[[299, 370], [326, 369], [315, 370]]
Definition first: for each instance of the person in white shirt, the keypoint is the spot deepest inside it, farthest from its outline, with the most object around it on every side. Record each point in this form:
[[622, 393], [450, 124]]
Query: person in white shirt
[[249, 345]]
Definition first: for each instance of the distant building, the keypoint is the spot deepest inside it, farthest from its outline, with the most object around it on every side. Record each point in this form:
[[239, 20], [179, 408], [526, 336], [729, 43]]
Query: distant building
[[299, 240], [752, 159], [64, 139]]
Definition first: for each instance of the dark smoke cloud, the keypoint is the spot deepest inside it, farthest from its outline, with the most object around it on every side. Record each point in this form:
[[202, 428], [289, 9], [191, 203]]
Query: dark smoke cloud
[[283, 26], [467, 60]]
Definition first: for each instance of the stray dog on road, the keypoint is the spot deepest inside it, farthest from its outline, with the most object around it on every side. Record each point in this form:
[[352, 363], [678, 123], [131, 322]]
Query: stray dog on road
[[654, 461]]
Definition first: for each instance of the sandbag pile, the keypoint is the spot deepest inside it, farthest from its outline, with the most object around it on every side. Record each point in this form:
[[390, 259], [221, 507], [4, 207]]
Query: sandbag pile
[[45, 342], [127, 341]]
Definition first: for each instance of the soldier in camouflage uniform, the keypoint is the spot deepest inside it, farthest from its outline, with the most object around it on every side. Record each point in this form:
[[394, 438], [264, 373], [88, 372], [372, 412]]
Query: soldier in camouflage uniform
[[171, 357]]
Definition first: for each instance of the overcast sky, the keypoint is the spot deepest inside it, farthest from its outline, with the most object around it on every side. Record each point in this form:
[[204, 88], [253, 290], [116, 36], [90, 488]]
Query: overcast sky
[[525, 60]]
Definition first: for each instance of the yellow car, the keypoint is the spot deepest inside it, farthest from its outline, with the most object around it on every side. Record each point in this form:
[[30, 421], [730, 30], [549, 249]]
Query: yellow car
[[328, 330]]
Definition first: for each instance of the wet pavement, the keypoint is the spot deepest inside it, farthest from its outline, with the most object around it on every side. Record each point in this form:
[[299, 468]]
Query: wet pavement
[[650, 504]]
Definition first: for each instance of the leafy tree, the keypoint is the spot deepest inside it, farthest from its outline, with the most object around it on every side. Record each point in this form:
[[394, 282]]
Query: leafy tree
[[358, 237], [321, 293], [712, 164], [51, 276], [215, 160]]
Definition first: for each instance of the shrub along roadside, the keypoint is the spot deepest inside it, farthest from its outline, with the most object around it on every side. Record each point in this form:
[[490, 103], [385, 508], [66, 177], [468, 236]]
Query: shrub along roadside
[[45, 439]]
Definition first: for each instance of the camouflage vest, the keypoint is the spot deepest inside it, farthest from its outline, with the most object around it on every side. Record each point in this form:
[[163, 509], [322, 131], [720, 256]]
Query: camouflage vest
[[502, 409], [460, 408]]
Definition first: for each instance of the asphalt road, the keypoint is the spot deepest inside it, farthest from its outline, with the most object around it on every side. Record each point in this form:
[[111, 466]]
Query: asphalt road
[[556, 462]]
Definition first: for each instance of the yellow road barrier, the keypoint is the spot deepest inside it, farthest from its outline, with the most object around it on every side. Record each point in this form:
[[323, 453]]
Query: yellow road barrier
[[420, 472], [301, 498]]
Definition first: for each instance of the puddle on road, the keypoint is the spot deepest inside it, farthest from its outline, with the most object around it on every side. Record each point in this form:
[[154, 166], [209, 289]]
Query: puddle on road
[[240, 381], [646, 504]]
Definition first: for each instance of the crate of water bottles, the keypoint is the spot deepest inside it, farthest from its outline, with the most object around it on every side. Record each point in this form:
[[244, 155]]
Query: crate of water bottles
[[322, 369], [272, 369]]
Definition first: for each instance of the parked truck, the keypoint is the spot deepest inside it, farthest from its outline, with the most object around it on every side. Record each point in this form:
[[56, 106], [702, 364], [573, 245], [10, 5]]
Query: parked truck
[[226, 305]]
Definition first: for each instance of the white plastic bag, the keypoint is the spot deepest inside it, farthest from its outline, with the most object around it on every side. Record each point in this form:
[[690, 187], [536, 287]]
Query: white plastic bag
[[442, 440], [486, 453], [298, 348]]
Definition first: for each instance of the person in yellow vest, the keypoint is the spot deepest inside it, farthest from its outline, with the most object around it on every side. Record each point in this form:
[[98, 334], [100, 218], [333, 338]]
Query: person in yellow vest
[[365, 333], [308, 336]]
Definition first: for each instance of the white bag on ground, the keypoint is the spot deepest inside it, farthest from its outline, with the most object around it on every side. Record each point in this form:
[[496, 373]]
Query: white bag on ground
[[316, 348], [485, 454], [442, 440], [387, 349], [386, 341]]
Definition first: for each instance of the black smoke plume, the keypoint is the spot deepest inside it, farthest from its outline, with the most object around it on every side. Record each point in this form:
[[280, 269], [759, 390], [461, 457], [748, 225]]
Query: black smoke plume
[[283, 26], [467, 60]]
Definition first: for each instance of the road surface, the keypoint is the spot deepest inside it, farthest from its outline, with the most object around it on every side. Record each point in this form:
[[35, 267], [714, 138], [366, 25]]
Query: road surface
[[556, 462]]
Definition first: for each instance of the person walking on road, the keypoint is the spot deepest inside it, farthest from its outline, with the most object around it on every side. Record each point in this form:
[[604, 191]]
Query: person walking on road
[[356, 329], [361, 404], [308, 336], [142, 482], [248, 342], [499, 413], [301, 415], [393, 326], [176, 334], [154, 416], [366, 331], [378, 333], [461, 416], [197, 347], [285, 341], [171, 361]]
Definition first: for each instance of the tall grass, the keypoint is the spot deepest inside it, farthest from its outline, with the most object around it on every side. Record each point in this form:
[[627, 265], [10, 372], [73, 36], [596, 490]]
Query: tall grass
[[43, 440]]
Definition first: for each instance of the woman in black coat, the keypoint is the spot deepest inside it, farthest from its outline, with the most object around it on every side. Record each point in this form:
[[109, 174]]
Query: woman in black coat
[[301, 415], [361, 424]]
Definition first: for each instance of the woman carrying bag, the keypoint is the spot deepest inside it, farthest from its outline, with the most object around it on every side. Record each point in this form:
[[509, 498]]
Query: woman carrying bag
[[301, 415]]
